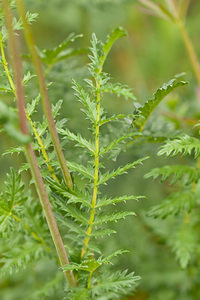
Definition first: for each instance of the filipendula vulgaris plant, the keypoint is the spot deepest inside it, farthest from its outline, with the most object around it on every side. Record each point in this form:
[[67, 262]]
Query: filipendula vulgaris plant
[[80, 210]]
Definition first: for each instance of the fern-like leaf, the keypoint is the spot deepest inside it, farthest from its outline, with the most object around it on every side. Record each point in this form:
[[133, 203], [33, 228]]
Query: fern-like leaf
[[175, 204], [176, 172], [184, 145], [84, 98], [82, 142], [119, 89]]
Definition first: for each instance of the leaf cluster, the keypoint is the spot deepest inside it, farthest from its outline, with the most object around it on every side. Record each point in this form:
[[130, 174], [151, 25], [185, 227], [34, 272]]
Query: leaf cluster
[[182, 204]]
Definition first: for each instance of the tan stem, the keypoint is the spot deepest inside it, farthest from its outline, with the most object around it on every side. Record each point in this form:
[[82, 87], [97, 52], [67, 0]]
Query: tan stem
[[190, 49], [30, 155]]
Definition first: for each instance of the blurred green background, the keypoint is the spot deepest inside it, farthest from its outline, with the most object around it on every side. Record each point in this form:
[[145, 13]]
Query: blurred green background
[[152, 53]]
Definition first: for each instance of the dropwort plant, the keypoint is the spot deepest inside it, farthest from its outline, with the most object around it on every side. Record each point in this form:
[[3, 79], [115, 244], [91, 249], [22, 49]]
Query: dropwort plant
[[70, 191]]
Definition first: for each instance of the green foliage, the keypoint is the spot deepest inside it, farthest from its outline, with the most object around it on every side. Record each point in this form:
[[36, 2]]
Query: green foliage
[[26, 234], [25, 243], [76, 208], [108, 286], [11, 201], [142, 114], [9, 121], [187, 174], [61, 52], [182, 204], [182, 145], [121, 170], [176, 203], [184, 243], [81, 204]]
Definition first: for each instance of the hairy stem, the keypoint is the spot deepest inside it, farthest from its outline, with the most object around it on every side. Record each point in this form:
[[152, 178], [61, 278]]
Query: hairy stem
[[44, 95], [49, 213], [40, 143], [96, 156], [31, 158]]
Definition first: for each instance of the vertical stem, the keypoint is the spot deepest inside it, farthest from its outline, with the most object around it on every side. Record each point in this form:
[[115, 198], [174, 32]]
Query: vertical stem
[[44, 95], [89, 280], [96, 173], [45, 155], [31, 158], [40, 187], [190, 49], [5, 64]]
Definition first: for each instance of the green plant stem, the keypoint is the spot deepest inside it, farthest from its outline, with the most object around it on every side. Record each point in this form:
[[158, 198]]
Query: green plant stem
[[96, 155], [96, 174], [30, 155], [5, 64], [190, 49], [44, 95], [40, 187], [89, 280]]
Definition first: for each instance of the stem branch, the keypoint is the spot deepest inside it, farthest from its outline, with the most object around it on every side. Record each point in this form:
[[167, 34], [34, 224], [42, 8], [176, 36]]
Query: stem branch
[[96, 174], [31, 158]]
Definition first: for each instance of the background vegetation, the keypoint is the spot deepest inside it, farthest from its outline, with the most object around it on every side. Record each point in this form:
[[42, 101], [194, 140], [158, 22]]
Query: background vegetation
[[152, 53]]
